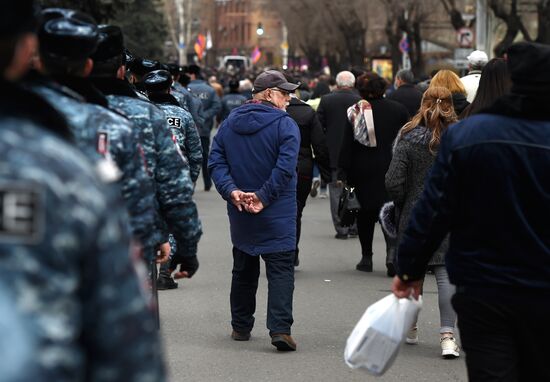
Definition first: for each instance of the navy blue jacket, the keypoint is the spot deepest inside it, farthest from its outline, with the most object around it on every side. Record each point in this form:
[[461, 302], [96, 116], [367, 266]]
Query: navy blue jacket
[[490, 188], [256, 150]]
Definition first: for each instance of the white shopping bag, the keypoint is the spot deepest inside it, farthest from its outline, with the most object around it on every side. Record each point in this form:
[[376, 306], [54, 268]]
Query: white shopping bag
[[374, 342]]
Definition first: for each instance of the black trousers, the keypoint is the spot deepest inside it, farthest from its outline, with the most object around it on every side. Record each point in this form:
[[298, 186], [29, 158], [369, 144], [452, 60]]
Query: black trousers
[[504, 338], [205, 143], [303, 188]]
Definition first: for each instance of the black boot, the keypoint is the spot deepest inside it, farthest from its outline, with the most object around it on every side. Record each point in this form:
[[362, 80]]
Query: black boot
[[165, 281], [365, 265]]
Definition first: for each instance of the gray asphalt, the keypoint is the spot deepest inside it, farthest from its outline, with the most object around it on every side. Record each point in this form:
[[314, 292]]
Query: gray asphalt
[[329, 298]]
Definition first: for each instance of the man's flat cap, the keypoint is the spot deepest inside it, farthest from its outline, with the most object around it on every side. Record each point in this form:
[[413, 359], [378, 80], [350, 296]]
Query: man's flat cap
[[111, 43], [529, 65], [273, 79], [157, 80], [18, 17], [68, 39]]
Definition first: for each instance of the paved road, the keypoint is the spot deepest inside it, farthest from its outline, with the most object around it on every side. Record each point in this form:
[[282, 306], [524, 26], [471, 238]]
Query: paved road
[[330, 297]]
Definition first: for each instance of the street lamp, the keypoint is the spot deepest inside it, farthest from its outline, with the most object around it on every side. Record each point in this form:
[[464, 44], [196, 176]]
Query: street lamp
[[260, 30]]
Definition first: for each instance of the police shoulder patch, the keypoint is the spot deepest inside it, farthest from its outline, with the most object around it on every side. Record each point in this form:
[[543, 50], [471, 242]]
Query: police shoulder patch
[[21, 213], [173, 121]]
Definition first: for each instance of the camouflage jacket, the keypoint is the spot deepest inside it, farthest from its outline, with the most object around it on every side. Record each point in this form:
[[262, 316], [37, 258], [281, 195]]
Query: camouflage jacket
[[183, 128], [174, 185], [104, 137], [194, 104], [65, 265]]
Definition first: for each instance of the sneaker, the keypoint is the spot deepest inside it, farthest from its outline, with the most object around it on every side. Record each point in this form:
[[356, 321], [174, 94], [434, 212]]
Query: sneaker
[[166, 282], [323, 195], [449, 348], [240, 336], [412, 336], [283, 342], [314, 187], [341, 236]]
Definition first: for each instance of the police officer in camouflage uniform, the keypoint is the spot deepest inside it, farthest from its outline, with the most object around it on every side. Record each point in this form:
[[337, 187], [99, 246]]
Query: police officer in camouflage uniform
[[165, 165], [211, 107], [158, 83], [65, 263], [106, 138], [192, 103]]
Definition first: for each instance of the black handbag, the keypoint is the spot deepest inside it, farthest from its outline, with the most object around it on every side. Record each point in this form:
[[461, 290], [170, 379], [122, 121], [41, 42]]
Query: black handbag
[[348, 207]]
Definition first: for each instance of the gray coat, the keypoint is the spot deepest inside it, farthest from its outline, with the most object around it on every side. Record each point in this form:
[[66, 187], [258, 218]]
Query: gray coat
[[405, 178]]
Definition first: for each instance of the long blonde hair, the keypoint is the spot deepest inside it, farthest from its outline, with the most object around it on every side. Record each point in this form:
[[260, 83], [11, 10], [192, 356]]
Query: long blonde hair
[[436, 114]]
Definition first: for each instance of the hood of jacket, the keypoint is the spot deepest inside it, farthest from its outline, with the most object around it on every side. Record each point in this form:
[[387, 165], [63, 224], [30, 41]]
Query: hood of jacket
[[253, 117]]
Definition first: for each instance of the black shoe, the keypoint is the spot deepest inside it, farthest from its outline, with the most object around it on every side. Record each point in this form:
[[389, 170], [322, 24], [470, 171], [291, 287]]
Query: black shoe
[[240, 336], [166, 282], [283, 342], [365, 265], [341, 236], [314, 187], [390, 270]]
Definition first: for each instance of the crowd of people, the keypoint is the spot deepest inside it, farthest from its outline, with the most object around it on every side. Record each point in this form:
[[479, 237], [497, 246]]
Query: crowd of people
[[101, 152]]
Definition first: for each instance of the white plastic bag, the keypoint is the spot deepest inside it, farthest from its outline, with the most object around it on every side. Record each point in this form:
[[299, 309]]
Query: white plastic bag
[[374, 342]]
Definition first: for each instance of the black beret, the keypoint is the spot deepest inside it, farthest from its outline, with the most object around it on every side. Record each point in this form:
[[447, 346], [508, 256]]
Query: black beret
[[234, 83], [111, 43], [68, 39], [18, 17], [529, 65], [143, 66], [157, 80]]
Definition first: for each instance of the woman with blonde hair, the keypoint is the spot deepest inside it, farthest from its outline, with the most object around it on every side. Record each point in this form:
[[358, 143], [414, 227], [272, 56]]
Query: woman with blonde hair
[[414, 152], [449, 80]]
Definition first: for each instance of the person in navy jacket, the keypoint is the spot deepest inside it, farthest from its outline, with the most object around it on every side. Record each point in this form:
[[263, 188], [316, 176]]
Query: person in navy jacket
[[490, 188], [253, 166]]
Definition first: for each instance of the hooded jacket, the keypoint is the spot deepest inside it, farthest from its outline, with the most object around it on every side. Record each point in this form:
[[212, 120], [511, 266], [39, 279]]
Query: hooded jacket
[[256, 150]]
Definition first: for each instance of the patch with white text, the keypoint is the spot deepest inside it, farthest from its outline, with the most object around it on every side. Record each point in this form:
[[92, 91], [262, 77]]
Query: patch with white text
[[21, 213], [173, 121]]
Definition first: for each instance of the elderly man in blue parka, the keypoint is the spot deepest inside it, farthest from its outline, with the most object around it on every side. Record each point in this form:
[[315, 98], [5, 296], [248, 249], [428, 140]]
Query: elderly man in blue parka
[[253, 165]]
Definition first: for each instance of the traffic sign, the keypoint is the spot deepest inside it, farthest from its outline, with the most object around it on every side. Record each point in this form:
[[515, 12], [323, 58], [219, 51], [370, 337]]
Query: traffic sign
[[465, 37]]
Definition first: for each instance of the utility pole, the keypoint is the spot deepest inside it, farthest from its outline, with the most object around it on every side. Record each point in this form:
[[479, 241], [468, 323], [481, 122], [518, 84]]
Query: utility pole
[[482, 26]]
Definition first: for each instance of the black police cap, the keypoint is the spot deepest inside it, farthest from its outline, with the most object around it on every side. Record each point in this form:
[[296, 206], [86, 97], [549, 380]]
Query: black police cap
[[143, 66], [57, 13], [20, 16], [111, 43], [174, 69], [68, 39], [157, 80]]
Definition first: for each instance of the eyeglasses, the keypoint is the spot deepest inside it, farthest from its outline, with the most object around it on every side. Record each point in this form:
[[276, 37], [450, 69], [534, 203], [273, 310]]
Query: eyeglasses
[[284, 93]]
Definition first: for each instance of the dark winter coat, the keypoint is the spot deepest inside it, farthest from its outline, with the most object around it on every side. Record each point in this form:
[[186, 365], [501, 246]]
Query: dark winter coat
[[332, 112], [405, 178], [313, 140], [256, 150], [489, 187], [459, 102], [365, 167], [409, 96]]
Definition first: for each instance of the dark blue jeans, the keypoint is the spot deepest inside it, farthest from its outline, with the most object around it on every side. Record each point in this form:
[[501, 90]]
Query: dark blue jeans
[[280, 276]]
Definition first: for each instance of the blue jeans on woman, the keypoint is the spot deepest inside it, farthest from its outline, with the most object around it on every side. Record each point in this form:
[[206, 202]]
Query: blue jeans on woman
[[280, 276]]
